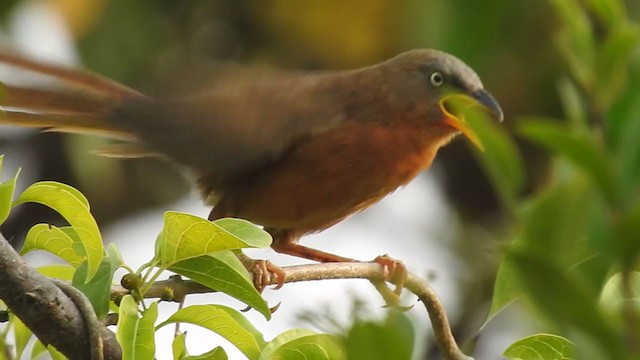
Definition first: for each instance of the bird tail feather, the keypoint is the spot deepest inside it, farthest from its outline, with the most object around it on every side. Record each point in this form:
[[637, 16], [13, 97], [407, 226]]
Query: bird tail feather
[[80, 104]]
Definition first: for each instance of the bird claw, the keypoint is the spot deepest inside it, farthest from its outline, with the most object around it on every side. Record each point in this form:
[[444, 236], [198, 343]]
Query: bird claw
[[264, 273], [395, 272]]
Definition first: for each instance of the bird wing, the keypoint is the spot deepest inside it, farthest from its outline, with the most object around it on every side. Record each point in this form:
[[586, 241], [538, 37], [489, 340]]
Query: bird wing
[[229, 131]]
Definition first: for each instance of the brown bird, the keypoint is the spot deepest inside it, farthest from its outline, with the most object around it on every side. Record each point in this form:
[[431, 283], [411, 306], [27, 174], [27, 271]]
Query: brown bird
[[295, 152]]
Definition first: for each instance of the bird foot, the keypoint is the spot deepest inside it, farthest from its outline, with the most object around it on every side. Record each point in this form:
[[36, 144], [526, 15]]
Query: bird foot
[[265, 273], [395, 272]]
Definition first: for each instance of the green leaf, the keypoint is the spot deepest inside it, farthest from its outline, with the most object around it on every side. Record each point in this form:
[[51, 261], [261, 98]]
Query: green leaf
[[564, 299], [186, 236], [38, 349], [216, 354], [55, 354], [299, 344], [507, 288], [500, 158], [62, 272], [613, 296], [541, 347], [225, 322], [22, 334], [610, 12], [613, 64], [576, 40], [52, 239], [7, 189], [581, 151], [73, 206], [136, 334], [626, 235], [98, 290], [179, 346], [392, 339], [224, 272]]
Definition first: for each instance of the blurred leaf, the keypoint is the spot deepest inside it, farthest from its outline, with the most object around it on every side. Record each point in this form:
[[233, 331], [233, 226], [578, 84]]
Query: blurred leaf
[[224, 272], [541, 347], [613, 64], [7, 189], [300, 344], [73, 206], [98, 290], [610, 12], [627, 233], [562, 298], [393, 339], [573, 106], [501, 158], [576, 41], [507, 288], [22, 334], [224, 321], [136, 334], [186, 236], [53, 240], [613, 296], [623, 130], [581, 151]]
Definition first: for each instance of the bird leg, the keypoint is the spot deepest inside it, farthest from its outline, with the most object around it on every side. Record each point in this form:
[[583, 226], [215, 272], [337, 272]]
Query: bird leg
[[285, 242]]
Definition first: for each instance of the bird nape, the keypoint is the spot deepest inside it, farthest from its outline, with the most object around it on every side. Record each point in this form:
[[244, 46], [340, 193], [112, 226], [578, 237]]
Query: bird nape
[[296, 152]]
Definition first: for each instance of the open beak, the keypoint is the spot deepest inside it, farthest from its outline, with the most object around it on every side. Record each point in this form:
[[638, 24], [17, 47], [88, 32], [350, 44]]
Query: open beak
[[456, 118]]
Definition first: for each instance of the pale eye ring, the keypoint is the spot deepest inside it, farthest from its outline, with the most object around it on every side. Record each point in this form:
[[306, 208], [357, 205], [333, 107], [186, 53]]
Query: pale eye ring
[[436, 78]]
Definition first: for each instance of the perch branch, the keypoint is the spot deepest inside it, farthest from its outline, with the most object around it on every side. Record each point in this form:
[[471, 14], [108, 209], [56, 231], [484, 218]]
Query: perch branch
[[351, 270], [45, 309]]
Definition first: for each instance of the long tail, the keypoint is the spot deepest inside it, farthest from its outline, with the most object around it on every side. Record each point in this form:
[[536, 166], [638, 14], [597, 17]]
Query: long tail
[[80, 105]]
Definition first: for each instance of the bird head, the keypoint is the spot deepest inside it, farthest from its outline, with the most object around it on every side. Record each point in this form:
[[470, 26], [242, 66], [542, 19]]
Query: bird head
[[444, 85]]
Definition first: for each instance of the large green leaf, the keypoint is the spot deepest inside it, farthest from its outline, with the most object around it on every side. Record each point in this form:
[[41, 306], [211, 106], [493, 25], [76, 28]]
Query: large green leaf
[[224, 272], [541, 347], [224, 321], [73, 206], [58, 241], [136, 333], [186, 236]]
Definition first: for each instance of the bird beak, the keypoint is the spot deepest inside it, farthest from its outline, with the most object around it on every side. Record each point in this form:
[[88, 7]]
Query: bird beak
[[455, 118]]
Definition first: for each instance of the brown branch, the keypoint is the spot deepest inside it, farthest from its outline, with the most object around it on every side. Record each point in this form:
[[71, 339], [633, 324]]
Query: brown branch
[[45, 309], [351, 270]]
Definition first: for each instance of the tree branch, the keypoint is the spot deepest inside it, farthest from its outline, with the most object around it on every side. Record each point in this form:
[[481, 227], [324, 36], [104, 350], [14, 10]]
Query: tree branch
[[45, 309], [351, 270]]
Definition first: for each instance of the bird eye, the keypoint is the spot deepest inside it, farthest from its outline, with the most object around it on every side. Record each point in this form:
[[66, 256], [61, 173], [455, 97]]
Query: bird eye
[[436, 78]]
